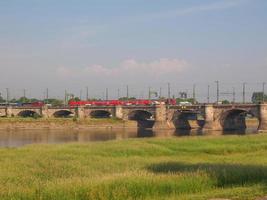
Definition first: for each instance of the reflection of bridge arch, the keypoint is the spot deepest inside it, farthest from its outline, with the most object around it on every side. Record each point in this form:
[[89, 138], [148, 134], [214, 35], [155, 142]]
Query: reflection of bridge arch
[[140, 115], [181, 119], [28, 113], [63, 114], [100, 114], [235, 119]]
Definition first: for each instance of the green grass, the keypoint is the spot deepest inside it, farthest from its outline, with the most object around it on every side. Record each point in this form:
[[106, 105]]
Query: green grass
[[175, 168], [60, 120]]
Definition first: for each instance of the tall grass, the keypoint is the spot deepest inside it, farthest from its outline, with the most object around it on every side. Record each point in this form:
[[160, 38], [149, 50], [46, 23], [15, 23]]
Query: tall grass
[[176, 168], [60, 120]]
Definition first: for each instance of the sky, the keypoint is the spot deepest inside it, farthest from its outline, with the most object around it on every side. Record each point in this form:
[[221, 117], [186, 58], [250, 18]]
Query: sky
[[74, 44]]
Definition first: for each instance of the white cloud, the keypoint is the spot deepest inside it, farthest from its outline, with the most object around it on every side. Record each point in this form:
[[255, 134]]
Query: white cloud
[[158, 67], [219, 5], [128, 69], [215, 5], [64, 72], [98, 70]]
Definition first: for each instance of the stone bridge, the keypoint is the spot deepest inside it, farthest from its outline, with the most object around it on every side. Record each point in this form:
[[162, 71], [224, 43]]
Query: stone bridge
[[207, 116]]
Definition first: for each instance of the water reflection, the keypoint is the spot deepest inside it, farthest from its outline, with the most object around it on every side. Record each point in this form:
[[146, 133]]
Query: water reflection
[[16, 138]]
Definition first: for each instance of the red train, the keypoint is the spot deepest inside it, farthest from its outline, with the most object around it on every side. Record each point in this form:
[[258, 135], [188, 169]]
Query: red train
[[142, 102], [33, 104]]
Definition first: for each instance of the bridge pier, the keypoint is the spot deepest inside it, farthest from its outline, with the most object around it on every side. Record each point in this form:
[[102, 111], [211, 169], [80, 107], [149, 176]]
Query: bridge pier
[[161, 121], [119, 112], [9, 111], [79, 112], [263, 117], [211, 121], [44, 112]]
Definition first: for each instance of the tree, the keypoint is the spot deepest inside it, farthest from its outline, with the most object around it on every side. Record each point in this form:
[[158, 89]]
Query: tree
[[225, 102], [93, 99], [13, 100], [2, 100], [257, 97], [126, 99], [54, 102], [23, 100], [74, 99]]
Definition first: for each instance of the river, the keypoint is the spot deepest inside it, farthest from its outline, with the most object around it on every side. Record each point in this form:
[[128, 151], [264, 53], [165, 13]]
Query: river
[[21, 137]]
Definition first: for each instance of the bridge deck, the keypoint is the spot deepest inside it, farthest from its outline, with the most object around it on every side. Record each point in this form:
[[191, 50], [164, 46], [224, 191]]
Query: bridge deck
[[197, 106]]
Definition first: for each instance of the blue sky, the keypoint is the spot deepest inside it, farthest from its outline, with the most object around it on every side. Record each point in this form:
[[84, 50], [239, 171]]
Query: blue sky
[[72, 44]]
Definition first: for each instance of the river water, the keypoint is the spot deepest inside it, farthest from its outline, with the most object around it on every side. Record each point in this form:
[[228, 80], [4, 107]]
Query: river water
[[20, 137]]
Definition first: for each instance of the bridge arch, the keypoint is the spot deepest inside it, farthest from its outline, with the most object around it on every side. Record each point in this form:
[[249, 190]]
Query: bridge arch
[[28, 113], [187, 119], [63, 114], [235, 119], [144, 118], [140, 115], [100, 114]]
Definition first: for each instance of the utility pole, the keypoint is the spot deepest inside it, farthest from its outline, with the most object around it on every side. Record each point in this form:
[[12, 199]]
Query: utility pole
[[263, 92], [127, 91], [244, 92], [46, 93], [169, 91], [81, 94], [7, 96], [233, 94], [106, 94], [24, 93], [118, 93], [208, 97], [87, 93], [66, 98], [218, 91], [160, 92], [149, 93], [46, 96], [194, 93]]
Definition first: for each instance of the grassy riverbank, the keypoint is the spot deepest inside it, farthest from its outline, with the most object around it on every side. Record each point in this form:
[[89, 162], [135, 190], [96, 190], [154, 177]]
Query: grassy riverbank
[[63, 123], [60, 120], [176, 168]]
